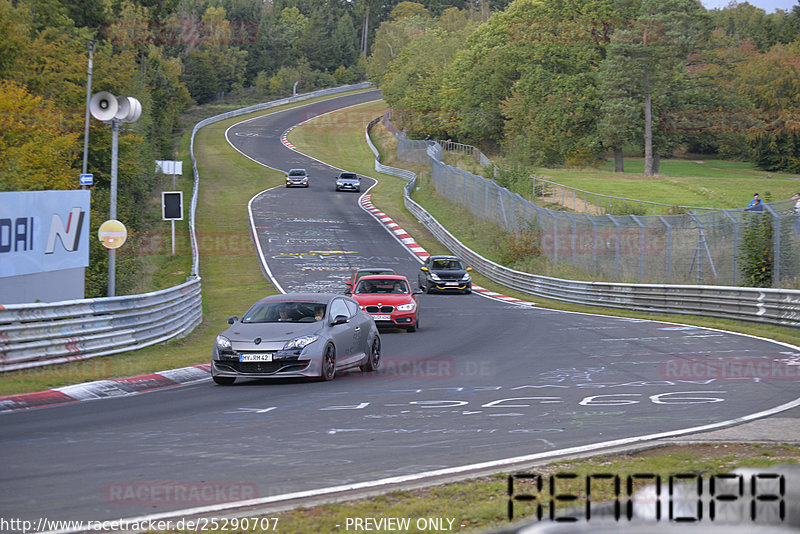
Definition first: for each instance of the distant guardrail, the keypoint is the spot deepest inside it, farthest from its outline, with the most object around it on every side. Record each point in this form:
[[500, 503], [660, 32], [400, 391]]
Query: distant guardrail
[[761, 305], [39, 334]]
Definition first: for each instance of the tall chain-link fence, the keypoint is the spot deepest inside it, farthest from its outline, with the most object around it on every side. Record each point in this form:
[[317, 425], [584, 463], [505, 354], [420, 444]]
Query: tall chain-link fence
[[717, 247]]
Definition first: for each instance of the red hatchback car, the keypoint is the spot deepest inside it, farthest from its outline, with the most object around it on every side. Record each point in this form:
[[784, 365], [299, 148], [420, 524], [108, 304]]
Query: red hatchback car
[[389, 300]]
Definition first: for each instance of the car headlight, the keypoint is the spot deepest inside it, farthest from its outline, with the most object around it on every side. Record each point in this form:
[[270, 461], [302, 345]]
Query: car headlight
[[466, 277], [223, 343], [406, 307], [435, 277], [300, 342]]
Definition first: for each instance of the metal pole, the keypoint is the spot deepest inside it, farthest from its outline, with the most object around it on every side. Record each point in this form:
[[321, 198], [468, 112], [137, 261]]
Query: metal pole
[[669, 244], [735, 245], [173, 236], [112, 253], [641, 247], [90, 44]]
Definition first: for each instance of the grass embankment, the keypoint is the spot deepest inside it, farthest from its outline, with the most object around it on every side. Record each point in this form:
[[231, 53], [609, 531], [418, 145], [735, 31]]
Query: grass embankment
[[231, 276], [695, 181]]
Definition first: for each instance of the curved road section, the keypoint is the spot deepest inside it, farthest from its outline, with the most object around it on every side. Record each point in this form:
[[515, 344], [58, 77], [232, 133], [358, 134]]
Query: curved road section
[[482, 383]]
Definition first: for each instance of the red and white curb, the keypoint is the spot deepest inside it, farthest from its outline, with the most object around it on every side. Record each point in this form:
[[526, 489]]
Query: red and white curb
[[411, 244], [104, 389], [285, 140]]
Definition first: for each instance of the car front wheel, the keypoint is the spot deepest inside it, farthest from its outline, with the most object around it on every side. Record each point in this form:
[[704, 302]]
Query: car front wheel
[[328, 363]]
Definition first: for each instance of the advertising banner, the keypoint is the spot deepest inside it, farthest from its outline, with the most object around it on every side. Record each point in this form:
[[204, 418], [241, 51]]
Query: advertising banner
[[42, 231]]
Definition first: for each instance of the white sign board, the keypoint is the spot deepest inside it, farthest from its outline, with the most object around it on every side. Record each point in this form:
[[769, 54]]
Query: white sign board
[[168, 166], [43, 231]]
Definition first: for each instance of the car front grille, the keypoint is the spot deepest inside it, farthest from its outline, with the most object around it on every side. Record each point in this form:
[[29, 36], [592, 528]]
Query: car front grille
[[267, 368], [379, 309]]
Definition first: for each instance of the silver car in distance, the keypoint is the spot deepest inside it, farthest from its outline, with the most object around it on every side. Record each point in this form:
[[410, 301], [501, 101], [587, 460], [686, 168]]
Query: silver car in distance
[[310, 335]]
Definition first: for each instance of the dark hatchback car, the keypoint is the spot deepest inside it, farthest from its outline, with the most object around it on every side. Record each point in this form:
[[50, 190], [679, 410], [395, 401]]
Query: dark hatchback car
[[446, 274], [348, 181]]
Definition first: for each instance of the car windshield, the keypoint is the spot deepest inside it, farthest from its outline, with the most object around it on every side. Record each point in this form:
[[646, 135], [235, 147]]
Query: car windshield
[[296, 172], [447, 265], [376, 285], [349, 176], [285, 311], [371, 272]]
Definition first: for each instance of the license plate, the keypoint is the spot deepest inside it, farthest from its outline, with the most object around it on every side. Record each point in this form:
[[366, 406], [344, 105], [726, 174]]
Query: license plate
[[255, 357], [451, 283], [382, 317]]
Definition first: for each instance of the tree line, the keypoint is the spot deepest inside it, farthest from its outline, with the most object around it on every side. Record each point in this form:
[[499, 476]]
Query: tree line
[[575, 81], [170, 55]]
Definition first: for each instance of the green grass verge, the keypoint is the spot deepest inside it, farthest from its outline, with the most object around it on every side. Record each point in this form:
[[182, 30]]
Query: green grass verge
[[230, 272], [682, 182]]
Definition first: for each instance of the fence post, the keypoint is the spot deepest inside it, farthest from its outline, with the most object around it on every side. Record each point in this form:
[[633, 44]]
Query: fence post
[[669, 245], [776, 255], [616, 247], [641, 247], [735, 254], [594, 240], [555, 236]]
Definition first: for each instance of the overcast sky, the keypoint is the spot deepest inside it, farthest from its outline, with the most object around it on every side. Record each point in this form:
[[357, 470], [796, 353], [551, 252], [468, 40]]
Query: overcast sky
[[767, 5]]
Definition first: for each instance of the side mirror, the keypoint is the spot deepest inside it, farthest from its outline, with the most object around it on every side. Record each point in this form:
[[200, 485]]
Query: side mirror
[[423, 269], [339, 319], [417, 291], [469, 268], [233, 319]]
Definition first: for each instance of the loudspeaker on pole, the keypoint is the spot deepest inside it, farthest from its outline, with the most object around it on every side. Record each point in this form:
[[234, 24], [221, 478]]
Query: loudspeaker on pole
[[103, 106], [129, 109]]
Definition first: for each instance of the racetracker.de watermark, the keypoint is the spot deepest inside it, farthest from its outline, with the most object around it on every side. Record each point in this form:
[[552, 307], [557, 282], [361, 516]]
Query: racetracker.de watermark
[[188, 493], [766, 369], [438, 368]]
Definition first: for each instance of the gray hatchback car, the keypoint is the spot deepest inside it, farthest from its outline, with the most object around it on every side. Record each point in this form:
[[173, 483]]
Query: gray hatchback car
[[312, 335], [298, 177]]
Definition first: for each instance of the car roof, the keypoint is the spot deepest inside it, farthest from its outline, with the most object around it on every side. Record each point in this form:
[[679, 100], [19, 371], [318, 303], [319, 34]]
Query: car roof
[[348, 174], [383, 277], [320, 298], [367, 269], [445, 258]]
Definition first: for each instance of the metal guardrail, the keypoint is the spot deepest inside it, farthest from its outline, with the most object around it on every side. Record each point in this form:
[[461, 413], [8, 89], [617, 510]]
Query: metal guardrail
[[35, 335], [761, 305], [380, 167]]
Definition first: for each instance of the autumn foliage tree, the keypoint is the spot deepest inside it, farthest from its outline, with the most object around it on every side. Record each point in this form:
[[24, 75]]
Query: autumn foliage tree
[[37, 146]]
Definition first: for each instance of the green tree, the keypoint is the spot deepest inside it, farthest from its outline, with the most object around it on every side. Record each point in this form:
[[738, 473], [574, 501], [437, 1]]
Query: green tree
[[214, 67], [37, 147]]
